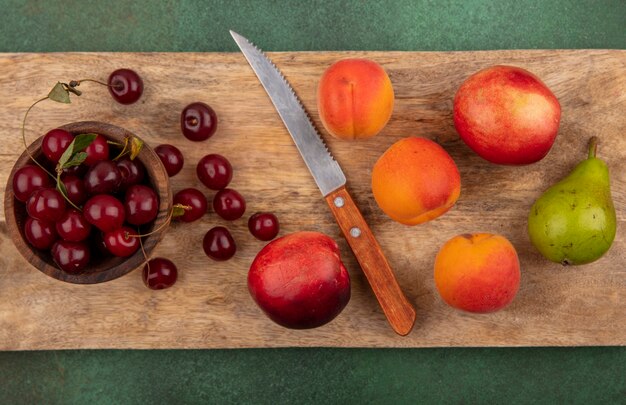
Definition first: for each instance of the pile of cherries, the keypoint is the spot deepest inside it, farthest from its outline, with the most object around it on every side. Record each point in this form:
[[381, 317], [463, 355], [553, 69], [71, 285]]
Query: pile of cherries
[[198, 123], [107, 202]]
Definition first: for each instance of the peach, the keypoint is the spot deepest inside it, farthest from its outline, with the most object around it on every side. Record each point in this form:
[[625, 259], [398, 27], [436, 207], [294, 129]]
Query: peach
[[507, 115], [355, 99], [477, 272], [415, 181], [299, 280]]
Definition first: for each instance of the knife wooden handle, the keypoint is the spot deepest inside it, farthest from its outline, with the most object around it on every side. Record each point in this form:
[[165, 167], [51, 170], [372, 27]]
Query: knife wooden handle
[[397, 308]]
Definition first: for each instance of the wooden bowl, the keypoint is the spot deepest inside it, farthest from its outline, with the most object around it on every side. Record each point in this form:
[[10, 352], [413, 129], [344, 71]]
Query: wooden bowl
[[110, 267]]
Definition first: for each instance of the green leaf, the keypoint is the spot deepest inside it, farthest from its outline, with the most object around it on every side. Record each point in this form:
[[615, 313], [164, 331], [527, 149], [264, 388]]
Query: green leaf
[[76, 159], [82, 141], [59, 94], [66, 156], [79, 143], [135, 147]]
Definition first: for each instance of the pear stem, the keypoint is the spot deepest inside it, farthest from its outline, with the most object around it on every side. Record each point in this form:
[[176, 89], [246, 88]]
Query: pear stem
[[593, 146]]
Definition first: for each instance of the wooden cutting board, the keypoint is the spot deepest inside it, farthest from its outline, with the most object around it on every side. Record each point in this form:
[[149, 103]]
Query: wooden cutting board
[[210, 306]]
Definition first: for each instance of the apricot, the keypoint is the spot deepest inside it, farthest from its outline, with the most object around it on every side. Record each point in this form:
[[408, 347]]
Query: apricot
[[477, 272], [415, 181], [355, 99]]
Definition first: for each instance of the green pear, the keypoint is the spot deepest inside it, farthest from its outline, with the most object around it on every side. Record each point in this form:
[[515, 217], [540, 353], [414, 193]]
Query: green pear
[[574, 222]]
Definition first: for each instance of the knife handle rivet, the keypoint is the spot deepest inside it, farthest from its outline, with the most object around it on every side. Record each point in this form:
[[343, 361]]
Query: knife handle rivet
[[338, 202], [355, 232]]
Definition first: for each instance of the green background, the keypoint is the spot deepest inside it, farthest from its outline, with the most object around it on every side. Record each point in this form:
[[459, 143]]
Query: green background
[[516, 375]]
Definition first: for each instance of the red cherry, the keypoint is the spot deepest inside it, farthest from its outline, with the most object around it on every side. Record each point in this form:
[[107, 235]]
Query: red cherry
[[40, 234], [73, 226], [171, 157], [120, 243], [159, 273], [125, 86], [132, 171], [46, 204], [98, 242], [54, 143], [71, 257], [103, 178], [263, 226], [193, 198], [28, 179], [229, 204], [214, 171], [78, 171], [105, 212], [141, 204], [218, 244], [198, 122], [75, 187], [97, 150]]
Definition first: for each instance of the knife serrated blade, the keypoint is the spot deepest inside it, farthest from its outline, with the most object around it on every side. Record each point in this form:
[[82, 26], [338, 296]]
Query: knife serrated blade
[[331, 182], [325, 170]]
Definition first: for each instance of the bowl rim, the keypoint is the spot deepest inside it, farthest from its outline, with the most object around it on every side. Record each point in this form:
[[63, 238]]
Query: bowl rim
[[111, 268]]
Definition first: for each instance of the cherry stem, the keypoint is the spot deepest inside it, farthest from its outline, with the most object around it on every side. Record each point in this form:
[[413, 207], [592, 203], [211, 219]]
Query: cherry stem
[[124, 150], [145, 256], [72, 89], [24, 136], [123, 153], [67, 198], [75, 83], [593, 146], [166, 223]]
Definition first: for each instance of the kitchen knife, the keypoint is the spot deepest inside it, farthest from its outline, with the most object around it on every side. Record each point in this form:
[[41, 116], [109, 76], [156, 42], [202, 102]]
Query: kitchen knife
[[332, 183]]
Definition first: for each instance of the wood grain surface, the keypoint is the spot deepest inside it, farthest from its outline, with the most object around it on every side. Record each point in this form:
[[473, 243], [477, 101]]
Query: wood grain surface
[[210, 306]]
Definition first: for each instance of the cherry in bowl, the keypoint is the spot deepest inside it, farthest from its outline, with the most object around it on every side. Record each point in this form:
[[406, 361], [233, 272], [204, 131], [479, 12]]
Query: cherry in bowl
[[72, 257], [75, 187], [46, 204], [73, 226], [121, 242], [78, 171], [103, 177], [28, 179], [40, 234], [55, 142], [105, 212], [141, 205], [97, 150], [171, 157], [132, 171]]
